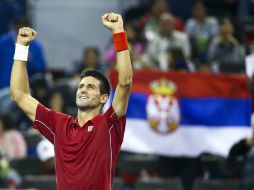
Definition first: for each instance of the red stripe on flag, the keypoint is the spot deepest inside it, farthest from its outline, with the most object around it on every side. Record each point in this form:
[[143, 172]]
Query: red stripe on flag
[[191, 85]]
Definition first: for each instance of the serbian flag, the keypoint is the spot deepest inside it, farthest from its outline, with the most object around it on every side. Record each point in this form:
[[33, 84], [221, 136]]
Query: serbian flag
[[186, 114]]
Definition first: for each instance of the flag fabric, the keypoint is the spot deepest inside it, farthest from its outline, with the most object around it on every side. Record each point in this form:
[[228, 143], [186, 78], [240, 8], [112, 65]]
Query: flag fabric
[[186, 114]]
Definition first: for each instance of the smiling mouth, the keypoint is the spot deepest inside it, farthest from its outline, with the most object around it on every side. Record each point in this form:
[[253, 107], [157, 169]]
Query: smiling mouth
[[83, 97]]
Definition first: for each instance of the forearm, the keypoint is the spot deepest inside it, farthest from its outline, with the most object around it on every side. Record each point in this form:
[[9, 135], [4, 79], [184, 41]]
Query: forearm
[[19, 80], [122, 92], [124, 67], [123, 59]]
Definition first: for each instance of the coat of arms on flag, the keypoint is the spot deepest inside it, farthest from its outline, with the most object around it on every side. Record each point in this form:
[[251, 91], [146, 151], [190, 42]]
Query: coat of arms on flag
[[162, 107]]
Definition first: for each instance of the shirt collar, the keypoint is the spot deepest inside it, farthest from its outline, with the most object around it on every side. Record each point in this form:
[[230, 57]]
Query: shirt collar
[[92, 121]]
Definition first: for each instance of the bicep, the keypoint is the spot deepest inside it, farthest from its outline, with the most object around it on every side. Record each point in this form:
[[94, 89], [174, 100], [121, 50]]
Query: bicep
[[121, 98], [28, 104]]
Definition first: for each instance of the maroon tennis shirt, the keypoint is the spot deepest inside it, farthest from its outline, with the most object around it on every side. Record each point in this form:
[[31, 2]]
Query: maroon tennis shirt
[[85, 156]]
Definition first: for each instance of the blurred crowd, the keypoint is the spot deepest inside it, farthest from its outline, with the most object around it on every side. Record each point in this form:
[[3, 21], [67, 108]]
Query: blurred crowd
[[212, 36]]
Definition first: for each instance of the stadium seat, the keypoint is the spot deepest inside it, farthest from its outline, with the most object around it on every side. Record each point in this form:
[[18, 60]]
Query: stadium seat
[[232, 68], [135, 163], [201, 184], [213, 165], [159, 184], [130, 166], [49, 182]]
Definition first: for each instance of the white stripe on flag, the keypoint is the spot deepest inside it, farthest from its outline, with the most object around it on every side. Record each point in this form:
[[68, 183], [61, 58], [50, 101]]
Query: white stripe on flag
[[185, 141]]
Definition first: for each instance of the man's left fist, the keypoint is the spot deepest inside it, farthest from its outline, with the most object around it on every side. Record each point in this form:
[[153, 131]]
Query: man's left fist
[[113, 21]]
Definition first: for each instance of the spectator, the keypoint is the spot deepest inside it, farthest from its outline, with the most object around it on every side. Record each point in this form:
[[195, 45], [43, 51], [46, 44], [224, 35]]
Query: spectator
[[167, 38], [203, 65], [56, 101], [45, 151], [243, 150], [177, 61], [36, 61], [12, 142], [91, 59], [225, 48], [152, 26], [201, 29], [40, 88], [247, 182]]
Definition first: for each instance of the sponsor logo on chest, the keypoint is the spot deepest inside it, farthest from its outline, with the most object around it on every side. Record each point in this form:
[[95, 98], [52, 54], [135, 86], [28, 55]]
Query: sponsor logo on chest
[[90, 128]]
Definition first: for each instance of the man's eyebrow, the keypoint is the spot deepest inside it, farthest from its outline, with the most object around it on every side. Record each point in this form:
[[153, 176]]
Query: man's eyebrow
[[91, 85]]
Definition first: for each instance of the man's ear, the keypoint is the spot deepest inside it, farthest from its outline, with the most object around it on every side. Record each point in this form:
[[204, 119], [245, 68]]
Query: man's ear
[[103, 98]]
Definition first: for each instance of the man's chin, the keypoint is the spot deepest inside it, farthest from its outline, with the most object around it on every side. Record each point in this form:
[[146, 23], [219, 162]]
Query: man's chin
[[84, 107]]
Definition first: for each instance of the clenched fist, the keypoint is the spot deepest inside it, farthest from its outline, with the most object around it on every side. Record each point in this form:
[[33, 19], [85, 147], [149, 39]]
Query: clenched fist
[[26, 35], [113, 21]]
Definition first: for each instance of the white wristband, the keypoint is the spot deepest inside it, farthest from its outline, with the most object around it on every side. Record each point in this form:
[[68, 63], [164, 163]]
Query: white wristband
[[21, 52]]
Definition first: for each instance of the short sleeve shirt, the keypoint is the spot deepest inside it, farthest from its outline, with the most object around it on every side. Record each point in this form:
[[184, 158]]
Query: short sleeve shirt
[[85, 155]]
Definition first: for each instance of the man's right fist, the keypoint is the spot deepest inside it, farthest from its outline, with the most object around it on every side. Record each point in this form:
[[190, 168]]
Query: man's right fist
[[26, 35]]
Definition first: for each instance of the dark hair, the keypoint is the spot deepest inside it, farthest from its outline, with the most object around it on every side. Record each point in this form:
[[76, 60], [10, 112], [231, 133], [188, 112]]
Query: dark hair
[[104, 83], [222, 19], [155, 1], [196, 2], [91, 49]]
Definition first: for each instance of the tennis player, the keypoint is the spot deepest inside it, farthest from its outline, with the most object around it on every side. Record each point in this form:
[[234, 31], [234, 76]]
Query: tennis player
[[86, 147]]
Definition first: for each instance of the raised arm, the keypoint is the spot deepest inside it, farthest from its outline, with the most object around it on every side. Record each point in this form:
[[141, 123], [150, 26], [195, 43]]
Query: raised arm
[[115, 23], [20, 91]]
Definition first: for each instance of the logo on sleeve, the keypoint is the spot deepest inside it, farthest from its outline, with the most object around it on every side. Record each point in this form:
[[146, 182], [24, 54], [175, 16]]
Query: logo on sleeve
[[90, 128]]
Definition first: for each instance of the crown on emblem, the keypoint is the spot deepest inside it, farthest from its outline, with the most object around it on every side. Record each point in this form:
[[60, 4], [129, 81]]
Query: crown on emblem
[[163, 87]]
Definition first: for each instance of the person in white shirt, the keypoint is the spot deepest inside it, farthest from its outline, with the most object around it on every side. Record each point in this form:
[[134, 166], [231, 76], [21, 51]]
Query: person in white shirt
[[167, 38]]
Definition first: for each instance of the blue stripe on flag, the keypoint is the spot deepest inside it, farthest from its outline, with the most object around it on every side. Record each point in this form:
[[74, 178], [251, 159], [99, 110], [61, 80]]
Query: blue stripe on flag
[[201, 111], [215, 112]]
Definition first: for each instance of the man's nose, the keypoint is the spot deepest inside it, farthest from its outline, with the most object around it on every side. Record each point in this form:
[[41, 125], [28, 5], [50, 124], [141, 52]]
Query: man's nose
[[83, 90]]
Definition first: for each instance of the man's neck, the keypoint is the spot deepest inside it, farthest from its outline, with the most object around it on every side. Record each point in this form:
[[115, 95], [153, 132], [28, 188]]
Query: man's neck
[[84, 116], [200, 20]]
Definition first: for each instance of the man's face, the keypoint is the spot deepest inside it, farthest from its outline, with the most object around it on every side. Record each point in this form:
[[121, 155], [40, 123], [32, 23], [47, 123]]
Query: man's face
[[199, 10], [226, 28], [159, 7], [166, 27], [91, 59], [88, 94]]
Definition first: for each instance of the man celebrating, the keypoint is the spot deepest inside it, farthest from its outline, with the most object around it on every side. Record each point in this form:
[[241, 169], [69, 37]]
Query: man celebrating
[[86, 148]]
